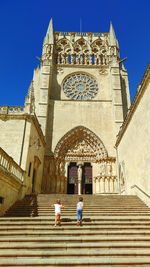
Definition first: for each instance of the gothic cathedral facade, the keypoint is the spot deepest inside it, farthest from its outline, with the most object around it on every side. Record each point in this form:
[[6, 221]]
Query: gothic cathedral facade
[[80, 96]]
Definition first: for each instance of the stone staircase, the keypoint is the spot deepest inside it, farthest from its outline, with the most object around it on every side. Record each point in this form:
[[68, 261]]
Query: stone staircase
[[115, 232]]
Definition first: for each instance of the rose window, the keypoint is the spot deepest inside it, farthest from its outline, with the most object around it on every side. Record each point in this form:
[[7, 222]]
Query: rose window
[[80, 87]]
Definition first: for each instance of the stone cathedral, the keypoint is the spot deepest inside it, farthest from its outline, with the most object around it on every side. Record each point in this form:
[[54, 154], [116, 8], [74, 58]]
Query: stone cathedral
[[80, 96], [77, 132]]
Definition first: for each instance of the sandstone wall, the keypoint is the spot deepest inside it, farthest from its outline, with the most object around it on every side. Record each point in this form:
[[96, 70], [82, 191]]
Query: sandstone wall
[[134, 146], [10, 191], [11, 137], [22, 139], [95, 116], [34, 160]]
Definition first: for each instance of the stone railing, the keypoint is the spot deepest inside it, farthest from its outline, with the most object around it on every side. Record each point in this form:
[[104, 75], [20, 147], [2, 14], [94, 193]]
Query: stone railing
[[105, 184], [83, 59], [136, 190], [12, 109], [9, 165]]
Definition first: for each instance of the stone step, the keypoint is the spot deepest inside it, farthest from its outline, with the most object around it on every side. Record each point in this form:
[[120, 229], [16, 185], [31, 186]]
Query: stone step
[[74, 253], [78, 261], [77, 238], [73, 215], [92, 200], [72, 209], [93, 205], [86, 209], [69, 211], [73, 227], [85, 196], [72, 233], [90, 214], [74, 245], [101, 218]]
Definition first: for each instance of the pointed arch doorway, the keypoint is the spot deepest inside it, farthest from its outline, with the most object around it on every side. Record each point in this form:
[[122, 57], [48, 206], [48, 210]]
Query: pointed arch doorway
[[75, 155]]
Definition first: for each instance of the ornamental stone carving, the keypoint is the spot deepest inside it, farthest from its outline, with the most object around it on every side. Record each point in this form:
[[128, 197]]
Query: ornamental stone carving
[[80, 144], [103, 70], [60, 71], [80, 87], [83, 49]]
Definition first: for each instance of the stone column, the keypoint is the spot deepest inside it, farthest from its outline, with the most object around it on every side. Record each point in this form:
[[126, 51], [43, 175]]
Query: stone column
[[79, 177], [94, 185], [66, 177]]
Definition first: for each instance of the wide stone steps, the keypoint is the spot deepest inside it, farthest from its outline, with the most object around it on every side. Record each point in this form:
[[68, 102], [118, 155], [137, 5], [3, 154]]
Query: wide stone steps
[[104, 205], [115, 232]]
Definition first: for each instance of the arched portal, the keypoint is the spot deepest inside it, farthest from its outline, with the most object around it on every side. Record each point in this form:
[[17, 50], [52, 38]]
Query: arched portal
[[75, 154], [80, 164], [80, 144]]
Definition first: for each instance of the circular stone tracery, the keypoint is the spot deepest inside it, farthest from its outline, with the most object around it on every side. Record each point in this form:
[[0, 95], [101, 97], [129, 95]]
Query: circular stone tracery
[[80, 87]]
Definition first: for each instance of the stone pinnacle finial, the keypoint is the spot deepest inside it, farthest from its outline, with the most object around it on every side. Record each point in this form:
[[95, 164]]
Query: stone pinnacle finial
[[112, 36], [49, 38]]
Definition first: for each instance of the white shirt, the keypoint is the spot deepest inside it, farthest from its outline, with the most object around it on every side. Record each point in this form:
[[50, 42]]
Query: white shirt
[[80, 205], [57, 208]]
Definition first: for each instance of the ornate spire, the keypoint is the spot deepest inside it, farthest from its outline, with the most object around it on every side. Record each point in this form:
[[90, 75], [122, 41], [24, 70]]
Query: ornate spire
[[49, 38], [112, 36]]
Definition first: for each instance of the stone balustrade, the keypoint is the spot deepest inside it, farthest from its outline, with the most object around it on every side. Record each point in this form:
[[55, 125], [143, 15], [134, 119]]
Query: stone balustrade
[[83, 59], [12, 109], [105, 184], [9, 165]]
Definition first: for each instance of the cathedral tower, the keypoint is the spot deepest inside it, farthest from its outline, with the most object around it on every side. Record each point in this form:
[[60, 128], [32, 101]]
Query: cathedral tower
[[80, 96]]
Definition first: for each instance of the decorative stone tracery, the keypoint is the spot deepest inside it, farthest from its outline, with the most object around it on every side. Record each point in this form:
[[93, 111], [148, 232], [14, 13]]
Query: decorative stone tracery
[[80, 144], [86, 50], [80, 86], [64, 51]]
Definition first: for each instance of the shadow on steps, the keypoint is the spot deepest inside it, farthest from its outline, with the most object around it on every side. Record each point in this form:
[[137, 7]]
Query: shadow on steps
[[27, 207]]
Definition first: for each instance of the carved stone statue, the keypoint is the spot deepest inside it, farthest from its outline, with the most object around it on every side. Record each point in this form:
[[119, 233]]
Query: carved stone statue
[[109, 169], [79, 173], [103, 168]]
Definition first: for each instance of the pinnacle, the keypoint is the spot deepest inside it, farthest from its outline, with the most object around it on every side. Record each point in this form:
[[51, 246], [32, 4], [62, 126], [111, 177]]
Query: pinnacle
[[49, 38], [113, 39]]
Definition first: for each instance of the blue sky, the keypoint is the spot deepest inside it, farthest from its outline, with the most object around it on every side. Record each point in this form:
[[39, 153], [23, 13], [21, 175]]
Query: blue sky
[[23, 25]]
